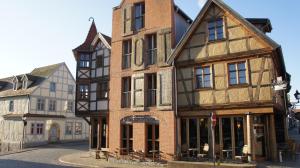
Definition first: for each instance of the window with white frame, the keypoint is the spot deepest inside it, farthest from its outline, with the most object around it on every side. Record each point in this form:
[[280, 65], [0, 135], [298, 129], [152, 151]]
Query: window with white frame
[[216, 29], [52, 105], [37, 129], [203, 77], [70, 105], [40, 104], [78, 128], [70, 89], [69, 128], [237, 73], [52, 87]]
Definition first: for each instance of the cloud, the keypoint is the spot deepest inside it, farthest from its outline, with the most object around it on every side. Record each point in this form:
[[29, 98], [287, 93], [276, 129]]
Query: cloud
[[201, 2]]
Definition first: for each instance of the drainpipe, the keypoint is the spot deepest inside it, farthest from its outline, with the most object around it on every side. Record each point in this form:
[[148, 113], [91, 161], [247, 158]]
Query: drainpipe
[[176, 109]]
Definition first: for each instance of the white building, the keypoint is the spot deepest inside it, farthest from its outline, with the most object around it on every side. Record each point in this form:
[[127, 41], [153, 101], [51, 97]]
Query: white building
[[38, 108]]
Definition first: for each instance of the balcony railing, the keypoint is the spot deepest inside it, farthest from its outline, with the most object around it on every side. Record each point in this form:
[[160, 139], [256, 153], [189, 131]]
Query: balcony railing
[[152, 56], [151, 97], [126, 99]]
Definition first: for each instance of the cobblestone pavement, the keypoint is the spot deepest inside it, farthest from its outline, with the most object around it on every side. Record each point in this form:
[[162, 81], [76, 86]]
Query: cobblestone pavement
[[43, 157]]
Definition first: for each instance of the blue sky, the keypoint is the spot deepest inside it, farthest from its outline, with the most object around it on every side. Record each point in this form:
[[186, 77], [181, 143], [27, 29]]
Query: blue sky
[[35, 33]]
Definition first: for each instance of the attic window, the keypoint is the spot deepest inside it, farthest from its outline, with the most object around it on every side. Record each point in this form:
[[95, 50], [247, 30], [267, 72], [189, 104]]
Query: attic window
[[216, 29], [15, 86], [24, 84]]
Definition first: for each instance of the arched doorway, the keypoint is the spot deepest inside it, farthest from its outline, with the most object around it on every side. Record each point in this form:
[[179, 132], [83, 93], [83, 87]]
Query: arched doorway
[[54, 133]]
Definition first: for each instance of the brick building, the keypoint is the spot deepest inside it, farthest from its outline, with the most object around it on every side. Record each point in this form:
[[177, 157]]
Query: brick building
[[169, 73]]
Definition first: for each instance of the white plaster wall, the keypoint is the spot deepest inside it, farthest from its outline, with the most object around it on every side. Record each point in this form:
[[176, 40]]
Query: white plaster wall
[[20, 105]]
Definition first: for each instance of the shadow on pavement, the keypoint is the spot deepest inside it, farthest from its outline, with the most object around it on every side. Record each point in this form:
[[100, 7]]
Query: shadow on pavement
[[7, 163]]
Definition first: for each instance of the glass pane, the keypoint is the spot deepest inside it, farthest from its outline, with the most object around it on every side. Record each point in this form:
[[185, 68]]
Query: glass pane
[[183, 132], [232, 67], [156, 132], [130, 131], [207, 70], [219, 22], [241, 66], [207, 81], [199, 71], [239, 135], [203, 124], [242, 77], [211, 37], [227, 143], [199, 81], [149, 132], [124, 131], [193, 132], [211, 25]]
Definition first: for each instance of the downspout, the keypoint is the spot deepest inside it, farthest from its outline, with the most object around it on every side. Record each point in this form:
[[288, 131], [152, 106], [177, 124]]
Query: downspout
[[176, 109]]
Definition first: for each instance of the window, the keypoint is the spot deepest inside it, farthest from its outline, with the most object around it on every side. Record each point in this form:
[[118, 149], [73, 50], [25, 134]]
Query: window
[[78, 128], [237, 73], [127, 138], [52, 87], [126, 92], [70, 106], [32, 129], [52, 105], [11, 106], [84, 61], [151, 79], [70, 89], [24, 84], [39, 128], [216, 29], [15, 86], [102, 90], [139, 16], [203, 77], [40, 104], [84, 91], [152, 139], [100, 61], [127, 49], [152, 49], [69, 128]]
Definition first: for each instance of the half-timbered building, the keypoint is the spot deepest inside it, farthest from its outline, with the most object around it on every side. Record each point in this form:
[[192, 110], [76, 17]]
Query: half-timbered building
[[37, 108], [92, 85], [226, 64]]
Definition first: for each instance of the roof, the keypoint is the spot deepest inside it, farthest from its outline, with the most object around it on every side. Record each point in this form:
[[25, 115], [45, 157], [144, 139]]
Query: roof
[[183, 14], [92, 34], [199, 18], [37, 76], [265, 22]]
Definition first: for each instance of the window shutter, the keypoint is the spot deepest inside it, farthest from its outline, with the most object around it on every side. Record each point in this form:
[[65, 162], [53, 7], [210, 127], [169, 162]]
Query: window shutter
[[127, 20], [164, 89], [164, 44], [137, 94], [137, 60]]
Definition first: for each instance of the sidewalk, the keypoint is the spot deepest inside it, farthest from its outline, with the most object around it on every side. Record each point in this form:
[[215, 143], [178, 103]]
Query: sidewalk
[[84, 159]]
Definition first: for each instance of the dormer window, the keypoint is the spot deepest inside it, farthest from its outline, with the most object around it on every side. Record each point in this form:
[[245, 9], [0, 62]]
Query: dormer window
[[24, 84], [216, 29], [15, 86]]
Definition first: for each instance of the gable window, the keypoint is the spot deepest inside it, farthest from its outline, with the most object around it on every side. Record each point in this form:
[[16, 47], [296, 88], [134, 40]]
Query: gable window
[[40, 104], [70, 105], [203, 77], [15, 86], [237, 73], [84, 91], [70, 89], [139, 15], [102, 90], [69, 128], [11, 106], [52, 87], [127, 49], [24, 84], [151, 80], [216, 29], [126, 92], [52, 105], [152, 49], [84, 61], [78, 128]]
